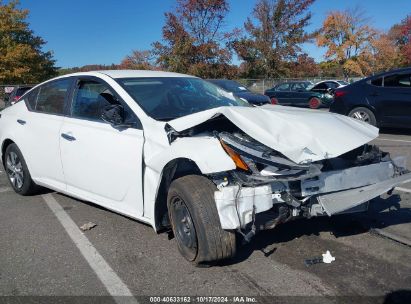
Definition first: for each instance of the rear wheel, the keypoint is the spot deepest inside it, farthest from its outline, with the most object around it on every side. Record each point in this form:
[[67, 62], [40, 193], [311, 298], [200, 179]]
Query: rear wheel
[[363, 114], [195, 221], [314, 103], [17, 171]]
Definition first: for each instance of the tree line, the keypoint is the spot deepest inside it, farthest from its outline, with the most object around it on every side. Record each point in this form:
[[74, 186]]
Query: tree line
[[194, 41]]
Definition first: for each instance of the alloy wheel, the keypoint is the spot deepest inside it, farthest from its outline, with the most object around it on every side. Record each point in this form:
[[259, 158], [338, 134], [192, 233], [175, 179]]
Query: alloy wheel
[[15, 170], [361, 115]]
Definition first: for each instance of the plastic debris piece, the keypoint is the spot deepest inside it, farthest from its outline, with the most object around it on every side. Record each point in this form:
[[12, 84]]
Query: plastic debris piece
[[88, 226], [327, 257]]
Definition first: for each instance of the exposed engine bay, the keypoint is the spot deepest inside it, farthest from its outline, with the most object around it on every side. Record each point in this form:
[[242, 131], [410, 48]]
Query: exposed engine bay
[[269, 184]]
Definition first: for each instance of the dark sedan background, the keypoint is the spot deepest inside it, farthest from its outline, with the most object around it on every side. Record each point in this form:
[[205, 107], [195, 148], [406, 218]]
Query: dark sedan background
[[298, 93], [383, 100], [240, 91]]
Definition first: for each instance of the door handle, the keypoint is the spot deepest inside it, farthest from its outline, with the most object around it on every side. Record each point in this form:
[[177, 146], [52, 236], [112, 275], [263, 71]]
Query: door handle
[[22, 122], [68, 137]]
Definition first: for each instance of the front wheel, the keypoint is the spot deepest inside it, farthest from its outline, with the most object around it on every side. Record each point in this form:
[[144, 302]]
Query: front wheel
[[195, 221], [17, 171], [363, 114]]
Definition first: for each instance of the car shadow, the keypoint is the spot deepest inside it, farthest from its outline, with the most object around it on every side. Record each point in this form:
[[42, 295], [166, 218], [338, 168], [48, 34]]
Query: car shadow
[[395, 131], [382, 213], [398, 297]]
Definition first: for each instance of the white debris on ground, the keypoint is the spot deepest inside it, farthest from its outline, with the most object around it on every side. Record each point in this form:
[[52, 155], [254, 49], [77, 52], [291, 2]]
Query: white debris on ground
[[88, 226], [327, 257]]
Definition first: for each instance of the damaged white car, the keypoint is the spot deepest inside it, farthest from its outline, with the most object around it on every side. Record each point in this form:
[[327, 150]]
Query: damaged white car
[[177, 152]]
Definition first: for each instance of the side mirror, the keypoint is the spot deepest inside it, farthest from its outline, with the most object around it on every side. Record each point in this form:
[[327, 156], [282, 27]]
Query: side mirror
[[114, 115]]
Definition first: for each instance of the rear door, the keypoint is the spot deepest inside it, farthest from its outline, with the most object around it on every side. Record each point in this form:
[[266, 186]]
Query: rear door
[[395, 99], [299, 95], [102, 164], [41, 124]]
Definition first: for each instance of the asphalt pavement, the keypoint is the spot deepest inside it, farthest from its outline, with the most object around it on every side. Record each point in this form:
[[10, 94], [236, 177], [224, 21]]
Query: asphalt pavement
[[44, 253]]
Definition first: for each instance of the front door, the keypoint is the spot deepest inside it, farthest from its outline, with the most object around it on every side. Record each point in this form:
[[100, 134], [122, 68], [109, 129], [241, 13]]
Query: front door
[[100, 163]]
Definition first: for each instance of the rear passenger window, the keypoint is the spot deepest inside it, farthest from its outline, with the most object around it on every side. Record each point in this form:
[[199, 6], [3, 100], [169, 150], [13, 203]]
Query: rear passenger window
[[51, 97], [377, 82], [398, 81]]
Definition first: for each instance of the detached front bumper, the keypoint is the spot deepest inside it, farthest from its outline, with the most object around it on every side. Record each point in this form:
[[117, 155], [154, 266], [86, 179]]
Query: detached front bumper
[[334, 203], [330, 193]]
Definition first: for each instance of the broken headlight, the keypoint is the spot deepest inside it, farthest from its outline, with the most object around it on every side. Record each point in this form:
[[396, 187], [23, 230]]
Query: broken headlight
[[257, 159]]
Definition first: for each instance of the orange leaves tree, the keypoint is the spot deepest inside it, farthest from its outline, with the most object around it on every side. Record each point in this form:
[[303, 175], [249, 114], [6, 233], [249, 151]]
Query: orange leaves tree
[[355, 46], [193, 42], [21, 57], [273, 37]]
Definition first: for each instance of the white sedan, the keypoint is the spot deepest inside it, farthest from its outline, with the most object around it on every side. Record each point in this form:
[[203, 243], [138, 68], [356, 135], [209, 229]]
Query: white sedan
[[179, 153]]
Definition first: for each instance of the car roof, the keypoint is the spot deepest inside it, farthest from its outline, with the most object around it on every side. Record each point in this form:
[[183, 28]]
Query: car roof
[[407, 69], [294, 81], [125, 74]]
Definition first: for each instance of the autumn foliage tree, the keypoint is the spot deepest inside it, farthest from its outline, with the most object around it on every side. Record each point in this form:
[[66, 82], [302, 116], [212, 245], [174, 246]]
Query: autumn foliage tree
[[21, 57], [347, 36], [138, 60], [193, 42], [400, 34], [273, 37]]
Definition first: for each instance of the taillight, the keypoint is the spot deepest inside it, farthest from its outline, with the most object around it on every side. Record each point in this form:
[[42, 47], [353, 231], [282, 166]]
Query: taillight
[[16, 98], [274, 100], [340, 93]]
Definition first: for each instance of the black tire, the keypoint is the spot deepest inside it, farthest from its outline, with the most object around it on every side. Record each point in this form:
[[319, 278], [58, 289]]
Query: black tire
[[367, 114], [205, 240], [27, 186]]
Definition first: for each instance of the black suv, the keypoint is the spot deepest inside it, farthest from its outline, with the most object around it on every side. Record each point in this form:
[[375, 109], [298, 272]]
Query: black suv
[[383, 100]]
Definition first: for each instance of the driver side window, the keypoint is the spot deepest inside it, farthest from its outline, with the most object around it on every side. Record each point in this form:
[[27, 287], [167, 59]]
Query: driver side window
[[90, 99]]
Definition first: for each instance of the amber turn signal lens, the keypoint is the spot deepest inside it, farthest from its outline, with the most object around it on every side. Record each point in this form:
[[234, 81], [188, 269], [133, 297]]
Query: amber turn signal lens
[[235, 157]]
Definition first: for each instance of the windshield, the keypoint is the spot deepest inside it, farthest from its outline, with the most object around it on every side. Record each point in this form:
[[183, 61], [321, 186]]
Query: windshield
[[231, 86], [166, 98]]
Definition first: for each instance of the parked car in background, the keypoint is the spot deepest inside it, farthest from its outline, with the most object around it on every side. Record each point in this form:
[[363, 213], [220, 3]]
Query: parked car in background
[[328, 86], [241, 91], [179, 153], [382, 100], [16, 94], [298, 93]]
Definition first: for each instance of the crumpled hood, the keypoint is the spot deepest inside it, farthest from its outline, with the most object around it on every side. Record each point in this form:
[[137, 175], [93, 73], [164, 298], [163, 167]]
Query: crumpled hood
[[302, 135]]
